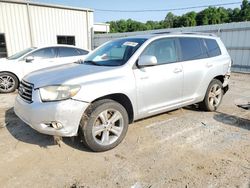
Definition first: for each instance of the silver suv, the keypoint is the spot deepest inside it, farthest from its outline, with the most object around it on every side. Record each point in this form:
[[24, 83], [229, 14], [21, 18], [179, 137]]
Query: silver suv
[[125, 80]]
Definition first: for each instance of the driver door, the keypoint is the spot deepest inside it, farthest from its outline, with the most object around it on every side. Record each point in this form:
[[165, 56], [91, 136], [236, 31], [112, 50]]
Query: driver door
[[39, 59], [159, 87]]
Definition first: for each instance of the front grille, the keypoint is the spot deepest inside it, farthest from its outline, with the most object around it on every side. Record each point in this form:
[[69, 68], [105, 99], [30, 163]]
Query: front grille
[[25, 91]]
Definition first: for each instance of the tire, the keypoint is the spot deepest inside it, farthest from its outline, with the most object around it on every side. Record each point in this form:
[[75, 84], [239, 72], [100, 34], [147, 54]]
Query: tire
[[8, 82], [213, 96], [104, 125]]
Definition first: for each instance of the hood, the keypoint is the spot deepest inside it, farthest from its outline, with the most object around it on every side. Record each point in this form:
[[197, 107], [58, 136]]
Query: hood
[[67, 74], [5, 60]]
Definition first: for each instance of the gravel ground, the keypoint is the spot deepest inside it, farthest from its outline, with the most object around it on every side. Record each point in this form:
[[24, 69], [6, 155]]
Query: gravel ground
[[181, 148]]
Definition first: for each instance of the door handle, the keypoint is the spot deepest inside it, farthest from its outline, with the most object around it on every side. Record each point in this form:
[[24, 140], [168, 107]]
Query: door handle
[[177, 70]]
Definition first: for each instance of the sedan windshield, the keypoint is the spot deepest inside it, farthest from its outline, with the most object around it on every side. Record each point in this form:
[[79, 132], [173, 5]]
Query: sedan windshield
[[20, 54], [115, 53]]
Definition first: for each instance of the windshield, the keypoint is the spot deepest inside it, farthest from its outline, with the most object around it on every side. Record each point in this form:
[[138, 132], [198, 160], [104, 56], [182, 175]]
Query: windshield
[[115, 53], [20, 54]]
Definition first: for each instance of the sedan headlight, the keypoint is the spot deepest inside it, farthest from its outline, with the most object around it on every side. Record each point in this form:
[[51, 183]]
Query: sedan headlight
[[57, 93]]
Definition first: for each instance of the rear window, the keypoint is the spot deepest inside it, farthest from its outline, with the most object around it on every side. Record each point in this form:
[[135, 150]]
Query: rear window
[[212, 47], [191, 49]]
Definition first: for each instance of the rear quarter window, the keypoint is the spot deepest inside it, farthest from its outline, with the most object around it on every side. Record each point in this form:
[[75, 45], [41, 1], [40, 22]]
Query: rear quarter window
[[213, 48], [192, 49], [82, 52]]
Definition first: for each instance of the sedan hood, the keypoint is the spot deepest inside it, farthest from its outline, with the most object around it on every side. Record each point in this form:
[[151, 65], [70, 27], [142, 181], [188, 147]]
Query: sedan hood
[[66, 74], [5, 60]]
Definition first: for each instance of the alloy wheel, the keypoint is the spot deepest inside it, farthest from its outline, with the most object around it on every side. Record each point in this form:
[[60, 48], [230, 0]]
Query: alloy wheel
[[215, 95], [7, 83], [108, 127]]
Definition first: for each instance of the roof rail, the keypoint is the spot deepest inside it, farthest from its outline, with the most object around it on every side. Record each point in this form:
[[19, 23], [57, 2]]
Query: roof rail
[[185, 33]]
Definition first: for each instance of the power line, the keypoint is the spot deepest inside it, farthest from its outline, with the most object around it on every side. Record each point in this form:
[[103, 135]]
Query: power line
[[167, 10]]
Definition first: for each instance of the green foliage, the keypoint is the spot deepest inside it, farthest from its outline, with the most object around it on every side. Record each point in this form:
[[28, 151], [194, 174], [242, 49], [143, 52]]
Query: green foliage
[[208, 16]]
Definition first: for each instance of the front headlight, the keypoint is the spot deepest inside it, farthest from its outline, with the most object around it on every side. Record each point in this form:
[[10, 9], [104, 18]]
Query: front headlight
[[57, 93]]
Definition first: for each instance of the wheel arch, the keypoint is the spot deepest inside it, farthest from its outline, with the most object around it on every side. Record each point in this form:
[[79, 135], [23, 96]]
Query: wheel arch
[[123, 100], [220, 78]]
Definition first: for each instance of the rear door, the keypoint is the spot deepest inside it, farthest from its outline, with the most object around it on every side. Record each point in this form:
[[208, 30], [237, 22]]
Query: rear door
[[159, 87], [68, 55], [195, 66]]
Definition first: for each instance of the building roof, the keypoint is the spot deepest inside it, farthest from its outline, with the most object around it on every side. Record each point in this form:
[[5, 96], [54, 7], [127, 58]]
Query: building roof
[[46, 5]]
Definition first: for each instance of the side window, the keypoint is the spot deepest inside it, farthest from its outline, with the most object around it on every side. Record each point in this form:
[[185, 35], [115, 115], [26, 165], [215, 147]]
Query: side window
[[67, 52], [3, 49], [212, 47], [82, 52], [44, 53], [164, 50], [191, 49]]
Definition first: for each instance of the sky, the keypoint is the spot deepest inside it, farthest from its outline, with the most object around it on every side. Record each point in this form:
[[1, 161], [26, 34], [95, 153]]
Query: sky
[[100, 16]]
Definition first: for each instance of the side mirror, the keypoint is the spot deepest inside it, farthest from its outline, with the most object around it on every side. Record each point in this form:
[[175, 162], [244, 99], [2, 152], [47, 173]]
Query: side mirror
[[29, 59], [147, 60]]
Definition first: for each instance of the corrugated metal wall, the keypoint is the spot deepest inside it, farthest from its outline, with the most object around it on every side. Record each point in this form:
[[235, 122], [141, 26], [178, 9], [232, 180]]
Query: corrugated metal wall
[[236, 37], [26, 25], [14, 25]]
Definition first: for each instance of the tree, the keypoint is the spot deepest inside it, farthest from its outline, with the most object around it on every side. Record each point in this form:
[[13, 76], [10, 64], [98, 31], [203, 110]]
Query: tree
[[169, 20], [210, 15], [245, 11]]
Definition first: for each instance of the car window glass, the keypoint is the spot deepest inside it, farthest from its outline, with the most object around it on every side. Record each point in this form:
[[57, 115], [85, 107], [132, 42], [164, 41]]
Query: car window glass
[[191, 49], [212, 47], [67, 52], [164, 50], [116, 52], [82, 52], [44, 53]]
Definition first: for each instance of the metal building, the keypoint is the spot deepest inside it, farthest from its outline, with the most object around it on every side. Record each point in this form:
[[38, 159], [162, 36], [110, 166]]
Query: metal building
[[24, 24], [236, 37]]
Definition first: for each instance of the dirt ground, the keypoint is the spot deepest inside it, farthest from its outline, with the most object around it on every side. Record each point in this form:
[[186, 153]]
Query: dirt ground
[[182, 148]]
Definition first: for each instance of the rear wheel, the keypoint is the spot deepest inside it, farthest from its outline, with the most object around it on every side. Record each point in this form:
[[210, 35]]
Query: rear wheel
[[104, 125], [213, 96], [8, 82]]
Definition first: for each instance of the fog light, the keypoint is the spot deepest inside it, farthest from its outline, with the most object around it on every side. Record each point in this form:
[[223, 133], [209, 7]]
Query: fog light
[[56, 125]]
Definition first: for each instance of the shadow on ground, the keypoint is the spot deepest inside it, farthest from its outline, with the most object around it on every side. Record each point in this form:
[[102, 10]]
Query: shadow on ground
[[232, 120], [22, 132]]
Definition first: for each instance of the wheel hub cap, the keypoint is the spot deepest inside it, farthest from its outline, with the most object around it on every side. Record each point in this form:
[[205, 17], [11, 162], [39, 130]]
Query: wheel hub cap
[[108, 127], [6, 83]]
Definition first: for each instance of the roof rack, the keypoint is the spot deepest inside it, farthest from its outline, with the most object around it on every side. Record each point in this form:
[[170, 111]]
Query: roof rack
[[185, 33]]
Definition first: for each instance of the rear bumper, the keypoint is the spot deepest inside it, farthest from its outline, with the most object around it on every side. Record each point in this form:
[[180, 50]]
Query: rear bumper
[[39, 115]]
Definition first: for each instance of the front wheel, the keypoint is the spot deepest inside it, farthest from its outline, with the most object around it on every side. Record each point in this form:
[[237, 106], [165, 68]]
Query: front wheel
[[8, 82], [104, 125], [213, 96]]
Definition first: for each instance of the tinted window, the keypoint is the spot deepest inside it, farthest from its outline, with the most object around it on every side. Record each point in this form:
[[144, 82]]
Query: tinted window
[[191, 49], [164, 50], [67, 52], [20, 54], [212, 47], [82, 52], [44, 53], [66, 40], [3, 49]]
